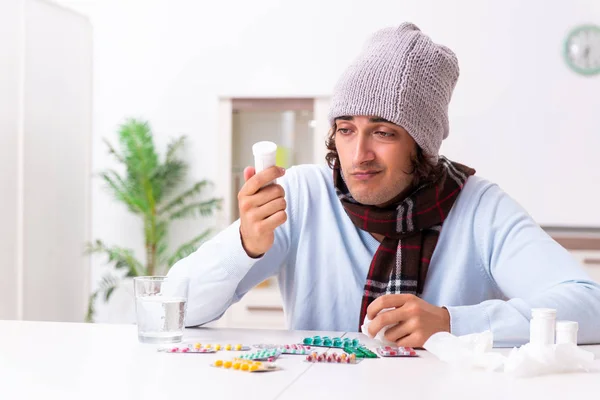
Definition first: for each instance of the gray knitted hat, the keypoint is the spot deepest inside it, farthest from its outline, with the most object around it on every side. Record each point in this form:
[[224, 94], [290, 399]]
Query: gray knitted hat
[[404, 77]]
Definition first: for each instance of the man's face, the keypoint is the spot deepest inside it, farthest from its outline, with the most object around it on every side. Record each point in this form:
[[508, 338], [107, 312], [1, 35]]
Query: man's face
[[375, 157]]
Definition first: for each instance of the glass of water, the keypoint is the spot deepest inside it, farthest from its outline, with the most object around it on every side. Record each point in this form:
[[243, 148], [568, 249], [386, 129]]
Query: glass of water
[[160, 304]]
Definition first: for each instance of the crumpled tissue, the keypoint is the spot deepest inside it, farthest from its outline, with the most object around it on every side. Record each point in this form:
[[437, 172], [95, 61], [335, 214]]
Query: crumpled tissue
[[380, 335], [474, 352]]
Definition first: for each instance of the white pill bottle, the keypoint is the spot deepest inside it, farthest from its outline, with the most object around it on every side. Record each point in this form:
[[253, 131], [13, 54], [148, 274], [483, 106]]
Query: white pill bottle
[[542, 326], [265, 154], [566, 332]]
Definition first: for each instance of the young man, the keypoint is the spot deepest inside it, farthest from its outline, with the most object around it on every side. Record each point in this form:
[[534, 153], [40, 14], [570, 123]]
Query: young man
[[392, 225]]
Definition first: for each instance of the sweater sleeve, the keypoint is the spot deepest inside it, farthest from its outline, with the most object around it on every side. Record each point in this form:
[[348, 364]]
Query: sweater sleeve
[[221, 272], [531, 270]]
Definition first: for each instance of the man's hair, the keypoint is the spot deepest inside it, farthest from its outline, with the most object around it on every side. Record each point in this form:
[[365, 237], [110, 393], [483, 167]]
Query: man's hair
[[423, 167]]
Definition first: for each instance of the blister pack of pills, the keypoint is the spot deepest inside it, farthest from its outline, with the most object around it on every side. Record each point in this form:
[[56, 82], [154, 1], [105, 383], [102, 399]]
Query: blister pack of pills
[[238, 364], [393, 351], [203, 348]]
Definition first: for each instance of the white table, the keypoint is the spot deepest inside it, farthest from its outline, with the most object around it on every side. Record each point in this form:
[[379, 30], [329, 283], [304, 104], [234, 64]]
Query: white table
[[92, 361]]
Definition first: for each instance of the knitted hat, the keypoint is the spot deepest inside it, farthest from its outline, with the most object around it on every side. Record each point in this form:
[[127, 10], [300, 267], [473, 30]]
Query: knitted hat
[[404, 77]]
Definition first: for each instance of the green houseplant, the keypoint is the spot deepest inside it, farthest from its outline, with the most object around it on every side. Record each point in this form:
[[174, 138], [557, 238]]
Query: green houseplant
[[150, 187]]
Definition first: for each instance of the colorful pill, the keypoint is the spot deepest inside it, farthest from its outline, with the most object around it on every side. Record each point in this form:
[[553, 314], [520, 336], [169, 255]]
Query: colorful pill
[[228, 347], [329, 358], [310, 358], [244, 367], [185, 350], [238, 347], [219, 363], [208, 346], [197, 346], [174, 350], [254, 368], [237, 365], [217, 347], [227, 364]]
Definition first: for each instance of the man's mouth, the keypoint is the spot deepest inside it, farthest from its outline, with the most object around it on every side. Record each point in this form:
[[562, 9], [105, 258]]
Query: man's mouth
[[364, 175]]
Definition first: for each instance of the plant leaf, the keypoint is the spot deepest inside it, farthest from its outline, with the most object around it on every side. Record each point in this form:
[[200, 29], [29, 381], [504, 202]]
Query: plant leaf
[[120, 189], [172, 148], [112, 151], [204, 208], [89, 317], [181, 199], [188, 248], [122, 258], [108, 293]]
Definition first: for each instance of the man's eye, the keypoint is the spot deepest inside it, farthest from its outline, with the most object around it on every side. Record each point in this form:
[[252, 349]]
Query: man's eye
[[384, 134], [343, 131]]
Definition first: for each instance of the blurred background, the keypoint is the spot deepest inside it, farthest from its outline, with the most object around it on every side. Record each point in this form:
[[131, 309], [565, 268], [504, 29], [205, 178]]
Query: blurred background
[[94, 93]]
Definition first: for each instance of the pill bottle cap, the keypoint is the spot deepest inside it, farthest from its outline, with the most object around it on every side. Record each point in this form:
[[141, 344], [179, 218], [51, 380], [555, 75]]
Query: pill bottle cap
[[547, 313], [264, 147], [567, 326]]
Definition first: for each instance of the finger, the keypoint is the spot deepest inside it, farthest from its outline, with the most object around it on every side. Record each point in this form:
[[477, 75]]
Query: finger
[[274, 220], [387, 301], [272, 207], [413, 340], [259, 180], [382, 320], [249, 172], [399, 331], [266, 195]]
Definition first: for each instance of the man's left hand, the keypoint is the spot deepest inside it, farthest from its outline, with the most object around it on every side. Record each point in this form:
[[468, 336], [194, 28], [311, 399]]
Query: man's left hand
[[414, 319]]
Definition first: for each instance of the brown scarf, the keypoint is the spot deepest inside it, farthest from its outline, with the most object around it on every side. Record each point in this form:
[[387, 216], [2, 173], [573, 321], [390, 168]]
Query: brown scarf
[[411, 225]]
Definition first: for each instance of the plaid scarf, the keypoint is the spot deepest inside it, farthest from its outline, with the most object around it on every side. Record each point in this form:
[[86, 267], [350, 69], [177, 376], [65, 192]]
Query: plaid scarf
[[411, 224]]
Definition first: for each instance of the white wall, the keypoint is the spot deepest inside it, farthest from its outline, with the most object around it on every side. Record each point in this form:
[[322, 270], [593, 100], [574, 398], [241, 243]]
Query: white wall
[[45, 130], [10, 79], [170, 61], [56, 162]]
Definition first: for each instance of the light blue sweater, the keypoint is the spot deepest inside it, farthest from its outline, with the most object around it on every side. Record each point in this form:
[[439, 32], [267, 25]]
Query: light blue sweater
[[491, 266]]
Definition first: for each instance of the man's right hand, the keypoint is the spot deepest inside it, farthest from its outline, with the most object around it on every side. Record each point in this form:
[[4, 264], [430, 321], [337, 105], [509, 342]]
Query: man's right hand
[[262, 209]]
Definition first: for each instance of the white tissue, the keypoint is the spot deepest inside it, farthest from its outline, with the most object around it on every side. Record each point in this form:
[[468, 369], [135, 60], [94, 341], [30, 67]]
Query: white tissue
[[530, 360], [474, 352], [381, 334], [469, 351]]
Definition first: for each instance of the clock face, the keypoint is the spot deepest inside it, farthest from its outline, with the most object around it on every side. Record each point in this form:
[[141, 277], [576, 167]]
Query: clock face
[[582, 49]]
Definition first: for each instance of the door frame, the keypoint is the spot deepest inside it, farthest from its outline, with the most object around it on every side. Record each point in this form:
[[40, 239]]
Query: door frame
[[226, 106]]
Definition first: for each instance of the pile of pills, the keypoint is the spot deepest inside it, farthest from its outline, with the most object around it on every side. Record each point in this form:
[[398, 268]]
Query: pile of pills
[[393, 351], [341, 358], [262, 355], [239, 364]]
